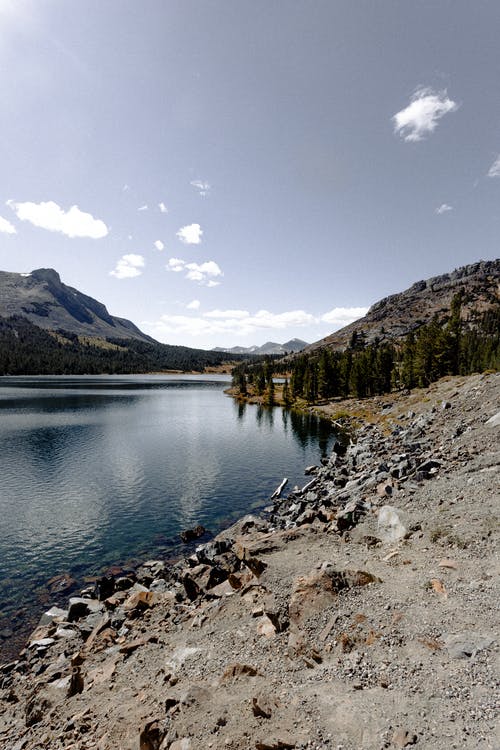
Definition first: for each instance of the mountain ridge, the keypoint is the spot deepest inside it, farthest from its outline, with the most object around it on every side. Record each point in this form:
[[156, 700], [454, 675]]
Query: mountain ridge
[[43, 299], [394, 316]]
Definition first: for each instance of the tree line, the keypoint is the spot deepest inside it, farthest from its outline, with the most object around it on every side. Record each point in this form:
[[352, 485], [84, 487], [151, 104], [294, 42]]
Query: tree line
[[440, 347], [26, 349]]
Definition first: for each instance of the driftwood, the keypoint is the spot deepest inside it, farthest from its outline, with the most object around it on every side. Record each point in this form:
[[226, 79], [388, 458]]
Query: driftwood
[[277, 492], [308, 485]]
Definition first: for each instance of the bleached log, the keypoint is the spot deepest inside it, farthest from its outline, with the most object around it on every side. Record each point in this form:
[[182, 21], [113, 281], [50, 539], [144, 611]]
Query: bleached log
[[277, 492], [308, 485]]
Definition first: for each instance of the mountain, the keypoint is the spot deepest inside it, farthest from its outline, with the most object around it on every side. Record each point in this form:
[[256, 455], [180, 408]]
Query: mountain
[[42, 298], [49, 328], [394, 317], [270, 347]]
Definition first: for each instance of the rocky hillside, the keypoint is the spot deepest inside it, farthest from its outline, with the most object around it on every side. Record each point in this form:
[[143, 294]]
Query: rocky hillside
[[394, 317], [45, 301], [361, 613]]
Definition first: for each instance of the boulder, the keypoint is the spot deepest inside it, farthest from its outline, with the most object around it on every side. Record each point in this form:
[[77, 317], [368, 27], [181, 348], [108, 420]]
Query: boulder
[[189, 535], [80, 607], [391, 524]]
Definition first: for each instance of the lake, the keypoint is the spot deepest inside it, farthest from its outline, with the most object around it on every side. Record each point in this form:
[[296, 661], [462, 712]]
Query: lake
[[105, 470]]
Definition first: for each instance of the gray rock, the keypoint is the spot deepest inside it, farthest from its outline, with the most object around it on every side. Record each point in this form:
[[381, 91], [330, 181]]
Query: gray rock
[[80, 607], [54, 614], [466, 644], [391, 524], [494, 421]]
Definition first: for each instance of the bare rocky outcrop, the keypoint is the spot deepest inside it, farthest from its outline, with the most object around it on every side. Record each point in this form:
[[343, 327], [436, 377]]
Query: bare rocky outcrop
[[359, 613], [393, 317]]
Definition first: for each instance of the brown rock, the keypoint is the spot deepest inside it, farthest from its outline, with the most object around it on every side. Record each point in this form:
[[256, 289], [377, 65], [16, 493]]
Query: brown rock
[[151, 736], [75, 683], [263, 705], [37, 708], [318, 590], [275, 742], [184, 744], [131, 646], [402, 738], [266, 627], [233, 671]]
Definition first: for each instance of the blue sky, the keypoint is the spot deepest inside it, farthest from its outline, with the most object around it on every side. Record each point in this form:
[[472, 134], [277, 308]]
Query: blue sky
[[234, 172]]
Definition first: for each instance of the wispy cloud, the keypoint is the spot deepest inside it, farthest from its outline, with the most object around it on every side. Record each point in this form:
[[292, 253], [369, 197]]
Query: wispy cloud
[[49, 215], [6, 227], [422, 115], [145, 207], [203, 273], [128, 266], [202, 187], [443, 208], [494, 170], [193, 305], [163, 208], [159, 245], [190, 234]]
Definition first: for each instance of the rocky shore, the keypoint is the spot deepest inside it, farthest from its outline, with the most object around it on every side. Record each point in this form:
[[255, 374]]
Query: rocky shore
[[360, 612]]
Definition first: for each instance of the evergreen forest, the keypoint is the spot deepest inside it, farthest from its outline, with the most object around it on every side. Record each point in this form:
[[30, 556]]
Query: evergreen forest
[[26, 349], [448, 346]]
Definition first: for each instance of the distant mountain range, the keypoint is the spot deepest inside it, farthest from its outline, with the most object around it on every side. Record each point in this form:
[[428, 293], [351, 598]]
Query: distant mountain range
[[270, 347], [393, 317]]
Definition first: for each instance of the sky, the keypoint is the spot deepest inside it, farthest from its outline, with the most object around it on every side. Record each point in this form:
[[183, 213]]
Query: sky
[[230, 172]]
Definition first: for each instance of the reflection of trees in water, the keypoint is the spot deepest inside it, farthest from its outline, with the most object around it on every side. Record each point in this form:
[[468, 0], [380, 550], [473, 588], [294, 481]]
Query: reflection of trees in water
[[259, 415], [241, 409], [269, 414], [285, 419], [308, 428]]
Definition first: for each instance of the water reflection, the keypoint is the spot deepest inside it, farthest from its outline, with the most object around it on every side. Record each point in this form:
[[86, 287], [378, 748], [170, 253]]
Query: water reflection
[[95, 472]]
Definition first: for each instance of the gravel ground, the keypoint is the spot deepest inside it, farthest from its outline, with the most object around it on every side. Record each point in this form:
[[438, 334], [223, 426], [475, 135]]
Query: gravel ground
[[331, 628]]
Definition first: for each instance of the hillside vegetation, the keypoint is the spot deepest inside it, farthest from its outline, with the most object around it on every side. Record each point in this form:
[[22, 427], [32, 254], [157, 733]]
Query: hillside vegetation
[[26, 349], [449, 344]]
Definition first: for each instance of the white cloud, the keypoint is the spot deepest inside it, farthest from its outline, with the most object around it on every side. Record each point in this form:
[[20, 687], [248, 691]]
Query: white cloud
[[494, 170], [163, 208], [228, 314], [159, 245], [128, 266], [202, 187], [6, 227], [176, 265], [145, 207], [48, 215], [194, 305], [421, 116], [342, 316], [242, 323], [190, 234], [443, 208], [204, 273]]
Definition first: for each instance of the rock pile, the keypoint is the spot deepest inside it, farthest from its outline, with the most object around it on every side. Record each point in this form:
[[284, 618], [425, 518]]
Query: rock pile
[[359, 612]]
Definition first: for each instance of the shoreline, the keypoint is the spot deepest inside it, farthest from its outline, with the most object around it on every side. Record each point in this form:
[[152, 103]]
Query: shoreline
[[315, 596]]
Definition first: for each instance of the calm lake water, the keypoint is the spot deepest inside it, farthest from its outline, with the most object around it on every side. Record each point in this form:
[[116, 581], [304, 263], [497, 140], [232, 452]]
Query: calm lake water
[[103, 470]]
